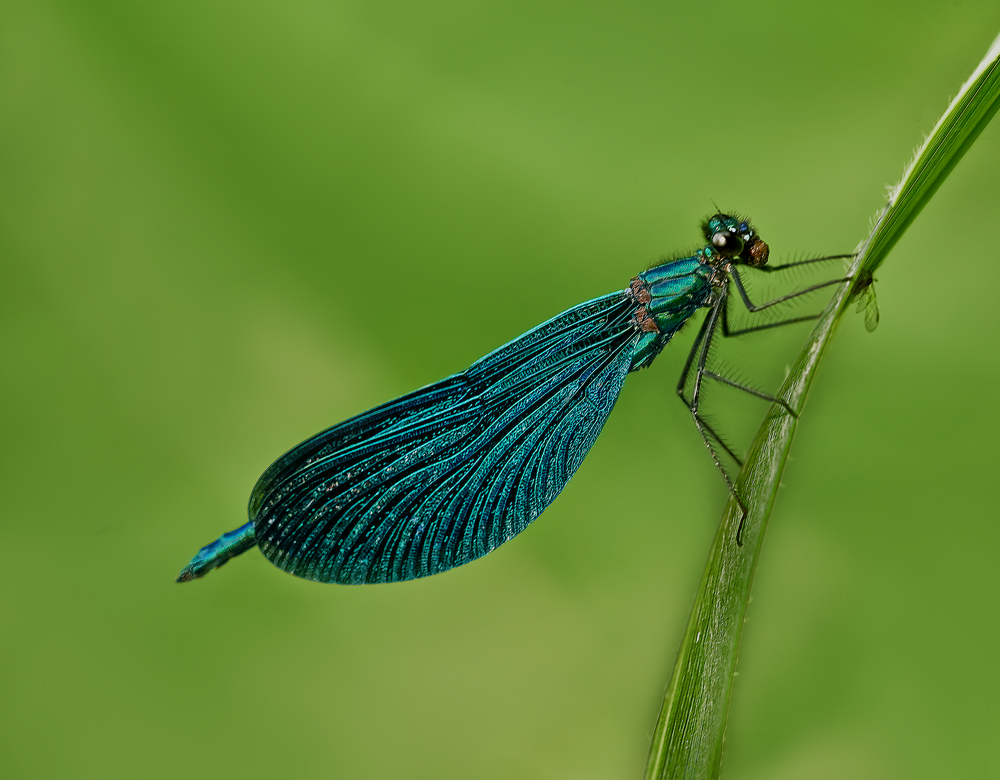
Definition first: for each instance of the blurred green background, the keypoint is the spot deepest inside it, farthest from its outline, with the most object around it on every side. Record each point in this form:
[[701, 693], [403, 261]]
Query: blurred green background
[[225, 226]]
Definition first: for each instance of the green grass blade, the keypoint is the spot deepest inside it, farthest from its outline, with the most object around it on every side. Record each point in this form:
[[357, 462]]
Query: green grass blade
[[956, 130], [688, 738]]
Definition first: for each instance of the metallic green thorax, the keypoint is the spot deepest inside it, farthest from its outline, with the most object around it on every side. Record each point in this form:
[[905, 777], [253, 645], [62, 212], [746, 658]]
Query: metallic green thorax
[[669, 294]]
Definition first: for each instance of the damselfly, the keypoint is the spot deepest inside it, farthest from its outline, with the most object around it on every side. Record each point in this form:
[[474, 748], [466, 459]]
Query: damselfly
[[447, 473]]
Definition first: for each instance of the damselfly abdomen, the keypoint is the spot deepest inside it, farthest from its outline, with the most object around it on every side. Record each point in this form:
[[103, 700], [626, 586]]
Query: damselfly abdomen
[[447, 473]]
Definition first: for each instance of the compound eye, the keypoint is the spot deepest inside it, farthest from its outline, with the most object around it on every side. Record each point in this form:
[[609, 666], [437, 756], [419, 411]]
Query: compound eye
[[728, 243]]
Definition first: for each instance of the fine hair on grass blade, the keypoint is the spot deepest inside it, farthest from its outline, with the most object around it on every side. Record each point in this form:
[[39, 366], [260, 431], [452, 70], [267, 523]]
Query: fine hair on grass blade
[[688, 737]]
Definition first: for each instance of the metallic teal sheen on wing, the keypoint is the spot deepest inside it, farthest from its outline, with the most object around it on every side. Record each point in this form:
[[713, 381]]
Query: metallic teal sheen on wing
[[442, 476]]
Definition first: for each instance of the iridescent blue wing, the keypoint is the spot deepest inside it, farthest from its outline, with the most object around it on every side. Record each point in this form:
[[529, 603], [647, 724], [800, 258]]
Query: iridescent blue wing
[[443, 475]]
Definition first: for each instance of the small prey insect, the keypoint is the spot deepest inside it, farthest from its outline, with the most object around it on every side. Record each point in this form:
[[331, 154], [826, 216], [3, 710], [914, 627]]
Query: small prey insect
[[443, 475]]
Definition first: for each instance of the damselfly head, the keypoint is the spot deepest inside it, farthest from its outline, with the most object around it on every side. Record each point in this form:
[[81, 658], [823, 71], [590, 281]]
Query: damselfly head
[[735, 238]]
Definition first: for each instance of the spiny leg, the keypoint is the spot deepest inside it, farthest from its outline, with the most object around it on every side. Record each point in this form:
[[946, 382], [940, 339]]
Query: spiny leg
[[751, 307], [752, 391], [701, 346], [728, 332], [738, 281], [770, 269], [686, 371], [863, 285], [682, 385]]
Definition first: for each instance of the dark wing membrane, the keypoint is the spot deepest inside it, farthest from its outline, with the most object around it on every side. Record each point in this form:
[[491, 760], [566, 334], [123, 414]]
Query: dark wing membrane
[[443, 475]]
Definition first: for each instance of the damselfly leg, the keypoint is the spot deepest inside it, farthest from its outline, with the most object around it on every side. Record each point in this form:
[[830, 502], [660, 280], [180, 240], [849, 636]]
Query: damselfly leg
[[700, 348], [727, 331], [698, 359]]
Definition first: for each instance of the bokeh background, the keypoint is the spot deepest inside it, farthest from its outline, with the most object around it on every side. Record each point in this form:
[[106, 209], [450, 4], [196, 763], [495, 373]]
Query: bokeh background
[[225, 226]]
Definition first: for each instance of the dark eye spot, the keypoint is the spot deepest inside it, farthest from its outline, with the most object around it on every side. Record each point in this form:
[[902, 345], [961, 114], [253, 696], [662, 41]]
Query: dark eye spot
[[728, 243]]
